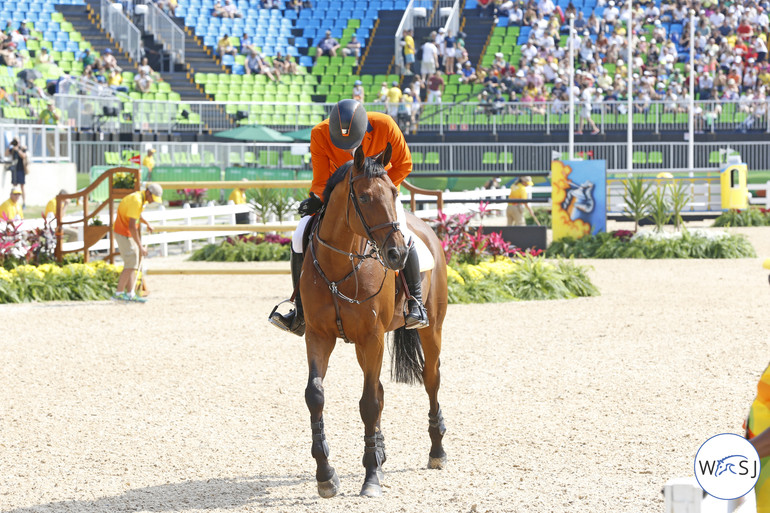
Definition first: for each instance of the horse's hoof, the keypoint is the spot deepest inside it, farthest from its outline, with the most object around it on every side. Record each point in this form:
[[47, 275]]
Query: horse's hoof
[[437, 463], [328, 489], [371, 490]]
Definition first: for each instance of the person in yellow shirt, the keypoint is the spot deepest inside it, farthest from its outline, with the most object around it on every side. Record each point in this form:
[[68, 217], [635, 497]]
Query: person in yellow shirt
[[392, 99], [757, 432], [149, 162], [408, 51], [11, 208], [50, 214], [238, 197], [126, 230], [521, 189]]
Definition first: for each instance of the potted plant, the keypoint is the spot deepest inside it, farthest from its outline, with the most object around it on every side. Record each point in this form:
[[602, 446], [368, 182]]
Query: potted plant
[[194, 197], [123, 184]]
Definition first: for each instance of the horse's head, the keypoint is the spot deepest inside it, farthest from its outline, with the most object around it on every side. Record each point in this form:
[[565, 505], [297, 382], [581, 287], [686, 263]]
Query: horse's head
[[371, 206]]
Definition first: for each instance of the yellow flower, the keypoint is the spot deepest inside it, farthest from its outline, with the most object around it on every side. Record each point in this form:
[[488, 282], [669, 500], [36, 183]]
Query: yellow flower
[[5, 275], [454, 275]]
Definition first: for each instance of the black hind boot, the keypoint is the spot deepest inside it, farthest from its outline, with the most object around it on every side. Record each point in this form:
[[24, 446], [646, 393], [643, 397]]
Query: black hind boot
[[416, 316], [294, 321]]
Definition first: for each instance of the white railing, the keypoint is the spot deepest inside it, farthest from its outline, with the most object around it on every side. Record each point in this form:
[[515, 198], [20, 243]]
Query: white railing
[[161, 216], [44, 143], [484, 159], [466, 114], [452, 24], [168, 33], [125, 33]]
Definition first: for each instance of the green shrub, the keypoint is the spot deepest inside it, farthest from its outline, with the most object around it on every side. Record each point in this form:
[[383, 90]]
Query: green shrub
[[749, 217], [247, 248], [50, 282], [685, 244], [523, 278]]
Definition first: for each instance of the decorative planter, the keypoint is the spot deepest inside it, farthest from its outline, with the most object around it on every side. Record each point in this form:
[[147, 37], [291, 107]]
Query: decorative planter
[[121, 193], [521, 236]]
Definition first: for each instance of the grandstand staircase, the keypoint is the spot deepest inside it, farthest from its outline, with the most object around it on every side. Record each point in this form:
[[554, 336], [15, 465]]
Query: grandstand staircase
[[84, 19], [198, 59], [477, 34], [378, 56]]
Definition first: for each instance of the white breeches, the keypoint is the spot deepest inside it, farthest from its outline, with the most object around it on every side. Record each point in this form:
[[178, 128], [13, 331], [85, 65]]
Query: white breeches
[[296, 239]]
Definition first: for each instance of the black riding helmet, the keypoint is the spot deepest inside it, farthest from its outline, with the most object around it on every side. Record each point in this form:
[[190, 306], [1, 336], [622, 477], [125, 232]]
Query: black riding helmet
[[348, 124]]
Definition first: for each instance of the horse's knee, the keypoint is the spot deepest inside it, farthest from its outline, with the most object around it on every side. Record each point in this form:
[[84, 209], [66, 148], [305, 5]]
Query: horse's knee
[[314, 395]]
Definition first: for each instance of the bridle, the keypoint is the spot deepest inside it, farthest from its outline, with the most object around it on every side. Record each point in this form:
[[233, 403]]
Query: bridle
[[356, 259]]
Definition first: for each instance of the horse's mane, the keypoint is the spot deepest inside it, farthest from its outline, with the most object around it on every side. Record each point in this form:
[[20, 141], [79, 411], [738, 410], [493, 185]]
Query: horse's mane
[[371, 170]]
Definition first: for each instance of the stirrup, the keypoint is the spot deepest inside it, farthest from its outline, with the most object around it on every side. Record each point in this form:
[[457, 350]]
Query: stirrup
[[412, 323], [278, 320]]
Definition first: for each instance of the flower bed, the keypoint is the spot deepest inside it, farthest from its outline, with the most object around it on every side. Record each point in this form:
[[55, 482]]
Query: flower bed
[[246, 248], [646, 244], [526, 277], [50, 282]]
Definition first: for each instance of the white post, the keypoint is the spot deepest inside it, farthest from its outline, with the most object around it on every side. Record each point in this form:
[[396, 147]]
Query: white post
[[571, 71], [164, 244], [188, 221], [691, 121], [630, 57]]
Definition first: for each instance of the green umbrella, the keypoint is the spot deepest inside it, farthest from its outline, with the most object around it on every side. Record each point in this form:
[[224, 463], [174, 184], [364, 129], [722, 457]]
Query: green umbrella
[[254, 133], [300, 135]]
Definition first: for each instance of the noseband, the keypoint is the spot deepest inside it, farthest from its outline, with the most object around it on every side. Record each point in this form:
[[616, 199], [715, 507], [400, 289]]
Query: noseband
[[356, 259]]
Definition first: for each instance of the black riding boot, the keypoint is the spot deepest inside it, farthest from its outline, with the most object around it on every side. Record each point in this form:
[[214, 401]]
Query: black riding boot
[[416, 317], [294, 321]]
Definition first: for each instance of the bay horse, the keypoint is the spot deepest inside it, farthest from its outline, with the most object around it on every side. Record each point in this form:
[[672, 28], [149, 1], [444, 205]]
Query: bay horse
[[349, 290]]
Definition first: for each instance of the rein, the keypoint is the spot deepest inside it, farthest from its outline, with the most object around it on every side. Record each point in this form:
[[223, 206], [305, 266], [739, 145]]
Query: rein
[[356, 259]]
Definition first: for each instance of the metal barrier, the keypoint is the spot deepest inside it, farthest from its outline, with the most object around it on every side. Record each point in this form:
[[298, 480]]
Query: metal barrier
[[125, 33], [542, 117], [436, 157], [166, 32], [44, 143]]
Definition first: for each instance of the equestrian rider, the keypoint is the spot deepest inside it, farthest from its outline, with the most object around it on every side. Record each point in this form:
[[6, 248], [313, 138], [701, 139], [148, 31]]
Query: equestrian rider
[[333, 143]]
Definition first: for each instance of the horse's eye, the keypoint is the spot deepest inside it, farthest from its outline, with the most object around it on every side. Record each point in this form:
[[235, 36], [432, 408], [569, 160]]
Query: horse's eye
[[364, 198]]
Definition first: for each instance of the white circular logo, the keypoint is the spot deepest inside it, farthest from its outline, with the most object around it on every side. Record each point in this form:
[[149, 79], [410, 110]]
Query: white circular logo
[[727, 466]]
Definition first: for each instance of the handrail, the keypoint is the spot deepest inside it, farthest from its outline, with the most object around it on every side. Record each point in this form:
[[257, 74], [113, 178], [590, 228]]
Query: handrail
[[126, 34], [160, 25], [413, 189], [92, 234]]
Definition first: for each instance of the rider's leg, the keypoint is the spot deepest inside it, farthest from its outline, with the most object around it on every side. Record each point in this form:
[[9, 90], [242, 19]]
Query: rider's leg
[[416, 317], [294, 321]]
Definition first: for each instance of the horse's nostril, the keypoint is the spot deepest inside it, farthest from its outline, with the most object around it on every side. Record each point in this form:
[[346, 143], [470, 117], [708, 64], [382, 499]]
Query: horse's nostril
[[393, 255]]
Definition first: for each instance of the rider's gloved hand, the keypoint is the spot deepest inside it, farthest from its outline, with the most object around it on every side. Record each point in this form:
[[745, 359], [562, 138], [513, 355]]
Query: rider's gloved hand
[[310, 206]]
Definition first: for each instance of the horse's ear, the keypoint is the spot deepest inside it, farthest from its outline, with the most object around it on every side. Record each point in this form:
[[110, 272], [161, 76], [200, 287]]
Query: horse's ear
[[384, 157], [359, 158]]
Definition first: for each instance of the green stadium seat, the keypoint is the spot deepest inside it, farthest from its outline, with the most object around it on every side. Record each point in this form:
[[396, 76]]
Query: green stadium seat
[[489, 158], [639, 157], [432, 157], [655, 157]]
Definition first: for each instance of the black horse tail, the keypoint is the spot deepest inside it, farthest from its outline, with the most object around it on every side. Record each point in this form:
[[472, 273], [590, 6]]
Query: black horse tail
[[407, 361]]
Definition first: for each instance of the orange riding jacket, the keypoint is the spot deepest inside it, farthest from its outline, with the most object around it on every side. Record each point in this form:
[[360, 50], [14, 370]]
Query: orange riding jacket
[[326, 157]]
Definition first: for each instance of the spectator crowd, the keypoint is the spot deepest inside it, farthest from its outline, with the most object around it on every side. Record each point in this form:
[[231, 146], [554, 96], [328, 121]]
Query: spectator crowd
[[730, 43]]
